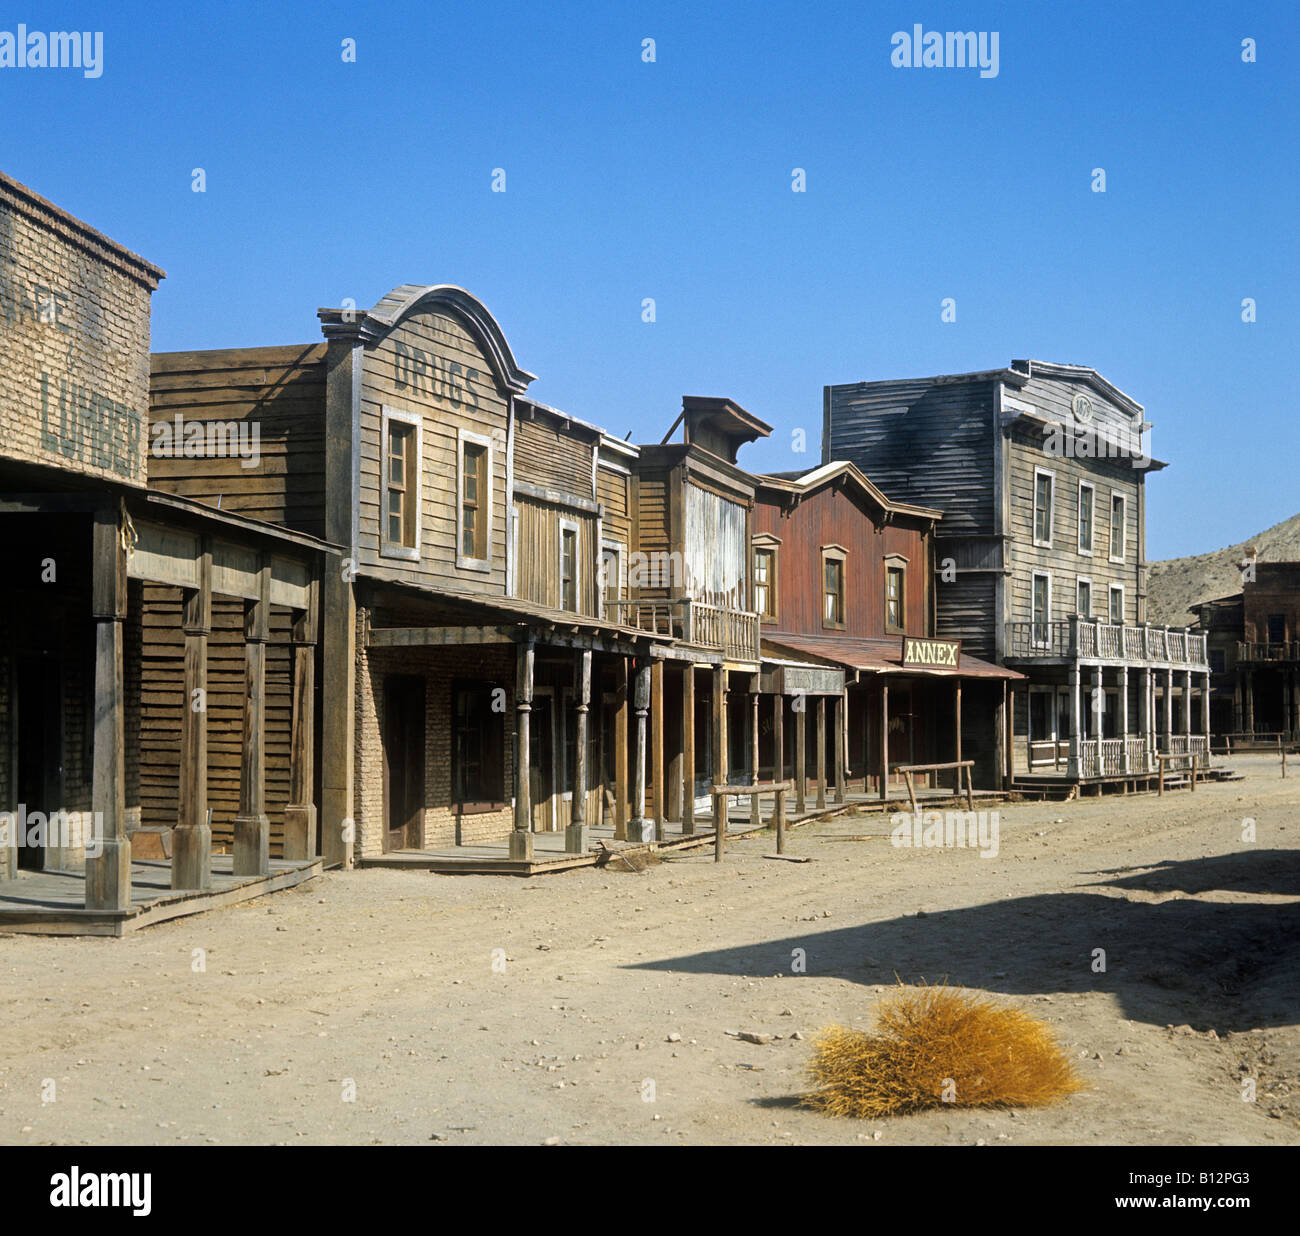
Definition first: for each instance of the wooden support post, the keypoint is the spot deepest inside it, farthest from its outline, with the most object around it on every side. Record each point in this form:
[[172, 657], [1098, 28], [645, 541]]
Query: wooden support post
[[1000, 740], [801, 753], [338, 716], [1205, 713], [970, 790], [778, 766], [755, 810], [300, 813], [1075, 769], [884, 739], [1160, 783], [1187, 710], [1238, 724], [676, 761], [108, 870], [521, 835], [1008, 746], [911, 788], [659, 814], [575, 835], [620, 752], [252, 827], [956, 705], [821, 753], [1123, 716], [841, 746], [192, 839], [688, 748], [1169, 711], [719, 760], [639, 828]]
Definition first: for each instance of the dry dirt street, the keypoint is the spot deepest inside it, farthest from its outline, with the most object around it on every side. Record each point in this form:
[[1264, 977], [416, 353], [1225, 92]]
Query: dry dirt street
[[385, 981]]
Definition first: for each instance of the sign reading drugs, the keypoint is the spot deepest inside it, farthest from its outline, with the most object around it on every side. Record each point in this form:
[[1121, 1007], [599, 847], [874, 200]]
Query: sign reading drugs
[[931, 653]]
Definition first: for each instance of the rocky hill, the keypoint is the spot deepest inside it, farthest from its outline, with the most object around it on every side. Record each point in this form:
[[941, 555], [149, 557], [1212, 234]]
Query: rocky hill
[[1176, 583]]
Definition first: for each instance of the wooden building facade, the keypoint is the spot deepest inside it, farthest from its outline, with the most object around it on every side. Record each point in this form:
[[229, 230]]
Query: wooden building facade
[[1040, 471]]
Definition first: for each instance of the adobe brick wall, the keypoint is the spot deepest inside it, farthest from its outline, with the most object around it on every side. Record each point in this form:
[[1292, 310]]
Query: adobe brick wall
[[74, 342], [439, 667]]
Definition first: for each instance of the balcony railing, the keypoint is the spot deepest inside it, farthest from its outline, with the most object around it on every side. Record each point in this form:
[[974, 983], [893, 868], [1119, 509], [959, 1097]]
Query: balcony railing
[[1254, 653], [1107, 641], [732, 632]]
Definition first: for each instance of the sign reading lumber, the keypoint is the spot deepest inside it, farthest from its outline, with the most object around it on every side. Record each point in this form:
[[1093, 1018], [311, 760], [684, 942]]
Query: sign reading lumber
[[931, 653]]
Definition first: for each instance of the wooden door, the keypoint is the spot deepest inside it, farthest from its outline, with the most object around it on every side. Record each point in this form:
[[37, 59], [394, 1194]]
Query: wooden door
[[541, 763], [403, 739], [40, 745]]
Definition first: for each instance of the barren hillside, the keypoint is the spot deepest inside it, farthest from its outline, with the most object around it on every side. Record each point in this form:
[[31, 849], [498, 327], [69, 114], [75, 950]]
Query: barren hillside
[[1176, 583]]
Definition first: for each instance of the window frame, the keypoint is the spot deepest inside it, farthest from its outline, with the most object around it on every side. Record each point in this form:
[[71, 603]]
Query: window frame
[[468, 562], [619, 548], [1122, 498], [896, 562], [413, 490], [765, 544], [1090, 549], [1078, 581], [1051, 509], [1111, 590], [565, 528], [1046, 620], [837, 554]]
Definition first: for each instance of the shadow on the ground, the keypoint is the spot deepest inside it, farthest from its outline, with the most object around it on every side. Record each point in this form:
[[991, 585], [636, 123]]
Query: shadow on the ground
[[1212, 964]]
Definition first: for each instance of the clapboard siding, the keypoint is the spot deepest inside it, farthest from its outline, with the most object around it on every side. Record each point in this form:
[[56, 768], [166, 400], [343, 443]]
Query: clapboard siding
[[920, 441], [546, 455], [279, 390], [652, 527], [612, 492], [162, 702], [965, 608], [537, 577], [836, 516], [459, 394]]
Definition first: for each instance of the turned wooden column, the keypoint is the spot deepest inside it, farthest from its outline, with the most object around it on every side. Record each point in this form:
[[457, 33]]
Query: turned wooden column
[[575, 835], [688, 748], [621, 705], [676, 759], [778, 758], [639, 827], [719, 760], [521, 835], [108, 869], [659, 815], [841, 747], [821, 753], [884, 739], [801, 753], [755, 814], [192, 838], [300, 813]]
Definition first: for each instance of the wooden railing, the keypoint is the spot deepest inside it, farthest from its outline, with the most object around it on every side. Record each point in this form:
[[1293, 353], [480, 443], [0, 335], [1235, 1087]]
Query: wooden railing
[[1106, 641], [733, 632], [1252, 652]]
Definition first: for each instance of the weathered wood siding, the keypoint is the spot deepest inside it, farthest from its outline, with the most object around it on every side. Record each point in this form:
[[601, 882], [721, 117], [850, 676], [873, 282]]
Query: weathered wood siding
[[836, 516], [537, 548], [920, 440], [613, 492], [715, 549], [546, 455], [653, 537], [279, 391]]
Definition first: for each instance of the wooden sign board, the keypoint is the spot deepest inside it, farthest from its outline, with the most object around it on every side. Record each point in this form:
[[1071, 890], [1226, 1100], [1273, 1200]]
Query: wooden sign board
[[931, 653]]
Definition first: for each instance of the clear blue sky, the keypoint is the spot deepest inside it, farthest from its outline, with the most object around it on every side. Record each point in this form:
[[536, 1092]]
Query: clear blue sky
[[624, 180]]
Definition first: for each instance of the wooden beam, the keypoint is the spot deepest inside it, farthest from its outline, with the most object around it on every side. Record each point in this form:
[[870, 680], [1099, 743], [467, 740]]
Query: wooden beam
[[440, 637], [884, 739], [620, 752], [688, 748], [719, 760], [755, 812], [801, 753], [252, 826], [575, 835], [841, 746], [192, 839], [778, 765], [300, 812], [675, 737], [521, 835], [657, 747], [108, 872], [639, 828], [821, 753]]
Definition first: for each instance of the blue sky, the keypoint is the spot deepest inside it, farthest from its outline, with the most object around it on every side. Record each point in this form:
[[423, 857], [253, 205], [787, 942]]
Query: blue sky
[[625, 180]]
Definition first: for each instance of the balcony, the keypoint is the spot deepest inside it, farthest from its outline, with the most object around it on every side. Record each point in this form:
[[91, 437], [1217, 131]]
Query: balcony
[[1115, 643], [732, 632], [1264, 654]]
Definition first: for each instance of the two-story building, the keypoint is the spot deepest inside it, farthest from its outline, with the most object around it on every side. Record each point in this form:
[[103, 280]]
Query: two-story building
[[1039, 470]]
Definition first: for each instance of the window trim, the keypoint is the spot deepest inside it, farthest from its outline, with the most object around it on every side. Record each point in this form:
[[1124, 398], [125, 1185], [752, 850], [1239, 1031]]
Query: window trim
[[414, 492], [569, 525], [465, 562], [1111, 590], [620, 549], [1047, 617], [765, 543], [1083, 579], [1123, 527], [834, 553], [895, 562], [1092, 525], [1051, 510]]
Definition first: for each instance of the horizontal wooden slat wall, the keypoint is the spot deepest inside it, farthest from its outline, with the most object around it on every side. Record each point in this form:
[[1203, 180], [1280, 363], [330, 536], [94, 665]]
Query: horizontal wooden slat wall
[[281, 390], [612, 493], [162, 697], [544, 455], [652, 524]]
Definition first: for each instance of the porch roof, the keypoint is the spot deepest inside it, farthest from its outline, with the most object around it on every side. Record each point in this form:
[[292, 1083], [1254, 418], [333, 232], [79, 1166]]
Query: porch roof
[[878, 656]]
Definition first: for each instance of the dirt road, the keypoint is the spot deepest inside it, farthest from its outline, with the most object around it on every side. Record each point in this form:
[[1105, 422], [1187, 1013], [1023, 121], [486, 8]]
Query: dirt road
[[593, 1007]]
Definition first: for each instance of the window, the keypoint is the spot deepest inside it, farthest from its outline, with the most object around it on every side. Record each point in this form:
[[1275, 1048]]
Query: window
[[1277, 628], [1087, 495], [474, 503], [568, 566], [1217, 663], [1041, 602], [1044, 484], [1117, 505], [833, 586], [1083, 601], [1116, 603], [478, 748], [611, 577], [401, 485], [895, 592], [765, 582]]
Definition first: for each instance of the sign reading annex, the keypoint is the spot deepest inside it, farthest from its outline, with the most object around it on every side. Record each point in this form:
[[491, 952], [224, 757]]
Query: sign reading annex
[[931, 653]]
